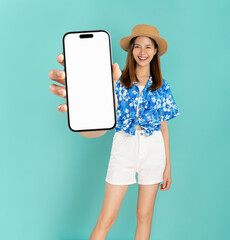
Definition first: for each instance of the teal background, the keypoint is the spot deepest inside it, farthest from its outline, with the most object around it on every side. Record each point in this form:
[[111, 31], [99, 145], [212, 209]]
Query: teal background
[[52, 180]]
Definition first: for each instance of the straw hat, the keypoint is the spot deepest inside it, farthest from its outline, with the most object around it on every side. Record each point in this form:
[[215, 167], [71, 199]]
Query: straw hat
[[148, 31]]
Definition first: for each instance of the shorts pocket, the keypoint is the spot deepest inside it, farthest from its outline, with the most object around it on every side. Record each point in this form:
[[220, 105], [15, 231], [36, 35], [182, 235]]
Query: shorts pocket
[[119, 138]]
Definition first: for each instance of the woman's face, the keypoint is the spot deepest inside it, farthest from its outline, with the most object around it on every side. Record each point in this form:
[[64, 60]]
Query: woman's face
[[143, 48]]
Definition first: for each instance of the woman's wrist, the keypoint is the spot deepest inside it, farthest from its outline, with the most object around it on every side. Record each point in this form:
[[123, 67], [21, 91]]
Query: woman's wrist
[[168, 165]]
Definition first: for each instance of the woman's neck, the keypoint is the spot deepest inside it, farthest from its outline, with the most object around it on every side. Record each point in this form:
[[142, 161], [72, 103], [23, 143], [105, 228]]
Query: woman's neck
[[142, 71]]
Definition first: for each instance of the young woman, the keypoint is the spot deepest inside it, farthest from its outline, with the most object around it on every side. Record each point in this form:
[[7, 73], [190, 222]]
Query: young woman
[[144, 103]]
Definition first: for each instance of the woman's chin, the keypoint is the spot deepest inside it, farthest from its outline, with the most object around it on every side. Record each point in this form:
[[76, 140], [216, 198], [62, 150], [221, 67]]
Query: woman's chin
[[142, 63]]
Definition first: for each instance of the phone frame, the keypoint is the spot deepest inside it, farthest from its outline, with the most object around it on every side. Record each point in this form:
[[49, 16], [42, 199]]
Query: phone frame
[[113, 87]]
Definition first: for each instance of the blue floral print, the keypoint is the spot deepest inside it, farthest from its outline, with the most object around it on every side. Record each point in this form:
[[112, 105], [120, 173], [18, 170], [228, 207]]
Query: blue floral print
[[154, 107]]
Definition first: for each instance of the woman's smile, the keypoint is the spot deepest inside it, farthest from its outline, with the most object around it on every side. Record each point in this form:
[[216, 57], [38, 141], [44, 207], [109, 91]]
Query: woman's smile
[[142, 59]]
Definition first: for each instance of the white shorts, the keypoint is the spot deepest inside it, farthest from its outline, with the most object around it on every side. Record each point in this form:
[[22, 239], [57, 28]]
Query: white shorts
[[140, 153]]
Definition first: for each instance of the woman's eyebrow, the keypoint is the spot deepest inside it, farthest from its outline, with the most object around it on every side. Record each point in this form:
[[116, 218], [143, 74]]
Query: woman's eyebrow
[[145, 45]]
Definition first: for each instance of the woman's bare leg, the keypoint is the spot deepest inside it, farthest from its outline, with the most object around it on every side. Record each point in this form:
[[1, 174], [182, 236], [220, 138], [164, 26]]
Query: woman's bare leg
[[145, 206], [114, 195]]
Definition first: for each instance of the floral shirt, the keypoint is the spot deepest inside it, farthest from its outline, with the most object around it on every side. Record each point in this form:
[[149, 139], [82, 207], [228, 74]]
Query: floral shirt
[[154, 107]]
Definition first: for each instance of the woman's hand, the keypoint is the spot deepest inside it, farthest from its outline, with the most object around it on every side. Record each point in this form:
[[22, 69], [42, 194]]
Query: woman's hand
[[166, 178], [59, 76]]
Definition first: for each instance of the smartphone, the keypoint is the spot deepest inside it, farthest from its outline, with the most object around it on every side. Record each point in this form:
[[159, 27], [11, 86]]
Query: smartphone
[[89, 80]]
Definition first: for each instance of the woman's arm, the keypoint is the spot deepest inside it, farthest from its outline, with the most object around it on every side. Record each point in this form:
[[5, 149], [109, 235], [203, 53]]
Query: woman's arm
[[167, 172], [165, 133]]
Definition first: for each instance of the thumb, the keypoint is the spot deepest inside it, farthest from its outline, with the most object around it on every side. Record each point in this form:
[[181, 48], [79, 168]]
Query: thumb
[[116, 72]]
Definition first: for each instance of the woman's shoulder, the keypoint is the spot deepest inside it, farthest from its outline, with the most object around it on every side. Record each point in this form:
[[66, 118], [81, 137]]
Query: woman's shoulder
[[165, 85], [164, 88]]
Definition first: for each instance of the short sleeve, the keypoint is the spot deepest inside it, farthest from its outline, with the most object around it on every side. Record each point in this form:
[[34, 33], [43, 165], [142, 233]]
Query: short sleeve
[[168, 109]]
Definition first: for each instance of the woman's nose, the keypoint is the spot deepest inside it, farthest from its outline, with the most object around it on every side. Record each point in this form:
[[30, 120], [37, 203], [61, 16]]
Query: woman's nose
[[142, 51]]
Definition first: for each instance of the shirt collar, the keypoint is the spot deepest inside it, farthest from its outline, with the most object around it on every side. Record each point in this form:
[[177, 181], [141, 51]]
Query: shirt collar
[[148, 84]]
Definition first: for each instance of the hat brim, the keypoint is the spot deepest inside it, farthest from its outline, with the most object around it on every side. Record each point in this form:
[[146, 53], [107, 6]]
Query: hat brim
[[162, 43]]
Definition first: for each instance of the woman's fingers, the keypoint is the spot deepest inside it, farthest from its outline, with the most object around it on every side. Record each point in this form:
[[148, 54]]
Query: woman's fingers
[[60, 59], [58, 90], [62, 108], [57, 75]]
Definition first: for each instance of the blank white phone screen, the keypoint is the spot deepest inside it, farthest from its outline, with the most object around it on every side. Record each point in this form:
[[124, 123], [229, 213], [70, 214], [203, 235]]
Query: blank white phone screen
[[89, 80]]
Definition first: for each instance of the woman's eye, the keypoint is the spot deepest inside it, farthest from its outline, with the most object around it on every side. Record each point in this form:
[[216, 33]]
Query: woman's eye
[[138, 47]]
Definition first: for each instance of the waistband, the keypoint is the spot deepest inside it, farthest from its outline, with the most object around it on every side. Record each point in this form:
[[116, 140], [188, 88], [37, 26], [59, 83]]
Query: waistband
[[143, 133], [140, 133]]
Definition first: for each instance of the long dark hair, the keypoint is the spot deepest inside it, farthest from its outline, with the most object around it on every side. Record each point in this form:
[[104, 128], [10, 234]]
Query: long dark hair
[[129, 76]]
